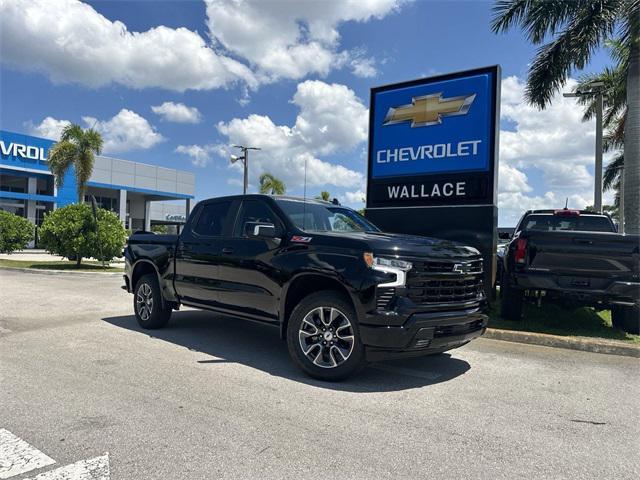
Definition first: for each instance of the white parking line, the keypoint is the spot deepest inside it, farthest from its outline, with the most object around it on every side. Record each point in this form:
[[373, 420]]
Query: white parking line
[[92, 469], [17, 456]]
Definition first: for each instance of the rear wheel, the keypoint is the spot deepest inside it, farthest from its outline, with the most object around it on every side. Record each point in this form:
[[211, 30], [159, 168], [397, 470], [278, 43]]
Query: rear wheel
[[626, 318], [148, 305], [512, 299], [323, 337]]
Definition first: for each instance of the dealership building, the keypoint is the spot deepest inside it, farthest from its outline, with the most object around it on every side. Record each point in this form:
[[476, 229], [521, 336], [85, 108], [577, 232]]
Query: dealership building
[[141, 195]]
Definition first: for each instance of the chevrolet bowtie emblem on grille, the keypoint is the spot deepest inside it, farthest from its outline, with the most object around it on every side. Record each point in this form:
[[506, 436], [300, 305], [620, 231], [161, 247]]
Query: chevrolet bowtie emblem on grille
[[462, 267], [429, 110]]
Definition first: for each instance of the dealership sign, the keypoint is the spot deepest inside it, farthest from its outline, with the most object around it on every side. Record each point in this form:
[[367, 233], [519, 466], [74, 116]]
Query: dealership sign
[[433, 141]]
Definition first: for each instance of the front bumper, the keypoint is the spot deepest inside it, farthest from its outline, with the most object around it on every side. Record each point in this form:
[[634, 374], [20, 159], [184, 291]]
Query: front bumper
[[422, 333]]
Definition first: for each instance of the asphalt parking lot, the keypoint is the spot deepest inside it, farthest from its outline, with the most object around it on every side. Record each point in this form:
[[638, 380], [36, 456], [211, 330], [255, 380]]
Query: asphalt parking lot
[[215, 397]]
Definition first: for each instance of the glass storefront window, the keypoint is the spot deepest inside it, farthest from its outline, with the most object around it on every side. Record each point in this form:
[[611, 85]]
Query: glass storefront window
[[45, 186], [18, 207], [107, 203], [14, 183]]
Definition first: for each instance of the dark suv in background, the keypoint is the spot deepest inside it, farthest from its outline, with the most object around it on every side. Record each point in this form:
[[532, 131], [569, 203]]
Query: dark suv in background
[[573, 257]]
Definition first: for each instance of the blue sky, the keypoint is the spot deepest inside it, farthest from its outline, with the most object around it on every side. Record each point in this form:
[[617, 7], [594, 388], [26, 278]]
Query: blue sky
[[281, 66]]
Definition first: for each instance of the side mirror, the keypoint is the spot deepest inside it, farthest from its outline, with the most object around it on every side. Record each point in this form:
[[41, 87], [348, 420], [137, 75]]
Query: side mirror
[[261, 230]]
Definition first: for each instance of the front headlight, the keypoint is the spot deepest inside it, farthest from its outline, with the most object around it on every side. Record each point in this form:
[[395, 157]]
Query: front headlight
[[389, 265]]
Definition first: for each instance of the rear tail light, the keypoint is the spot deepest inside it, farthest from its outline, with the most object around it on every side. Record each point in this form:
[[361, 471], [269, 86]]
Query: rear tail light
[[521, 250], [567, 212]]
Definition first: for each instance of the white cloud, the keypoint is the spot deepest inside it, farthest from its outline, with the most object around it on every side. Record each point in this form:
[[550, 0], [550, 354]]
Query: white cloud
[[177, 112], [200, 154], [512, 180], [290, 39], [355, 199], [554, 145], [125, 131], [514, 204], [71, 42], [50, 128], [331, 119], [364, 67]]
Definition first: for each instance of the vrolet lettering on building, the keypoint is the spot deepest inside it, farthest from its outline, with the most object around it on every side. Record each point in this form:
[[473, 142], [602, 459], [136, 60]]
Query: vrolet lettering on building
[[21, 150]]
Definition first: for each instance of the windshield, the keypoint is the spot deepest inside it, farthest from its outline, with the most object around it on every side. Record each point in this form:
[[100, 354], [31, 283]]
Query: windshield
[[316, 217], [577, 223]]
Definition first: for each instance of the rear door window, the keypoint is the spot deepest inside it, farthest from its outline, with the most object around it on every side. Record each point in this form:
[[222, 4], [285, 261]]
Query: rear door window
[[212, 219]]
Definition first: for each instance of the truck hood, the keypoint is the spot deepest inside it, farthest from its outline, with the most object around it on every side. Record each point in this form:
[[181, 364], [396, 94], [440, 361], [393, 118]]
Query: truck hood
[[407, 245]]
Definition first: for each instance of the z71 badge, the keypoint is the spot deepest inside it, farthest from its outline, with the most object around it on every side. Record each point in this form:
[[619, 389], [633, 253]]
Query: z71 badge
[[300, 239]]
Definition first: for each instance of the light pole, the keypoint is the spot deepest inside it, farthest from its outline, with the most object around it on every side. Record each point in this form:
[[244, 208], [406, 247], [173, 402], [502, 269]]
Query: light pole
[[621, 200], [595, 89], [245, 162]]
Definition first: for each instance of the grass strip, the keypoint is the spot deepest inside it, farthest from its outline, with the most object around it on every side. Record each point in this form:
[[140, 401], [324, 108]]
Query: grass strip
[[557, 320], [58, 265]]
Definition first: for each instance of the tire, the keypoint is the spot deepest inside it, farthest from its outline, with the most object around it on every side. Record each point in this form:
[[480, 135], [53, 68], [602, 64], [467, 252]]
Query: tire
[[512, 299], [626, 318], [147, 303], [323, 337]]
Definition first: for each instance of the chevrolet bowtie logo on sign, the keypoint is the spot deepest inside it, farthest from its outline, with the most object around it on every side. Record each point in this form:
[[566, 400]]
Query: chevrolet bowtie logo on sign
[[429, 110]]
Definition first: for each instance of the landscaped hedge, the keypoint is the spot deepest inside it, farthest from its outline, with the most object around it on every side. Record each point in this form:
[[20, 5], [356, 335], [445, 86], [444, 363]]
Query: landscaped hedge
[[15, 232], [72, 232]]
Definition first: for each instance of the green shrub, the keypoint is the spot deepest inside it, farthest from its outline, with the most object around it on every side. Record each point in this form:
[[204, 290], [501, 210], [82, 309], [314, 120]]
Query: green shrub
[[15, 232], [71, 232], [160, 229]]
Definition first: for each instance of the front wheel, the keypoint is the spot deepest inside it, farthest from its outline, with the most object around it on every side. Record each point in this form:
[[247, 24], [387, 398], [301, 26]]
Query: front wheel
[[626, 318], [323, 337], [148, 305]]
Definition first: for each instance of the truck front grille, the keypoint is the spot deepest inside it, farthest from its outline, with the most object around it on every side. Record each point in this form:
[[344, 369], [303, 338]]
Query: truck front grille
[[444, 291], [432, 282]]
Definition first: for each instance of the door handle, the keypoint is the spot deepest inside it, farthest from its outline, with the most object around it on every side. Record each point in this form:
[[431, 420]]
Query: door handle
[[227, 251]]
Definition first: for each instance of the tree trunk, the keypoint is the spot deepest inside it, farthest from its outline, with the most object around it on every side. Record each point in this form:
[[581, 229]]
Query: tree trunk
[[632, 135], [78, 261]]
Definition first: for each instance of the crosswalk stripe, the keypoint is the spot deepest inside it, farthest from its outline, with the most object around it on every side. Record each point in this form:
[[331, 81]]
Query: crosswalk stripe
[[93, 469], [18, 457]]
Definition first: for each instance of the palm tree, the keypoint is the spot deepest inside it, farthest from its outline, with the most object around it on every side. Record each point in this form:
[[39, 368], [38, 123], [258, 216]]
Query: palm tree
[[76, 147], [575, 29], [324, 195], [271, 184]]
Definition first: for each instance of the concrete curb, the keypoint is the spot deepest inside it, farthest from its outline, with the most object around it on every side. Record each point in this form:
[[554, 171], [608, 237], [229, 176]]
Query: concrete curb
[[586, 344], [58, 272]]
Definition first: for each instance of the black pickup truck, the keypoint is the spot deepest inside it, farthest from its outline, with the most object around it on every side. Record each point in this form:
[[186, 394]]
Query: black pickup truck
[[341, 291], [573, 257]]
